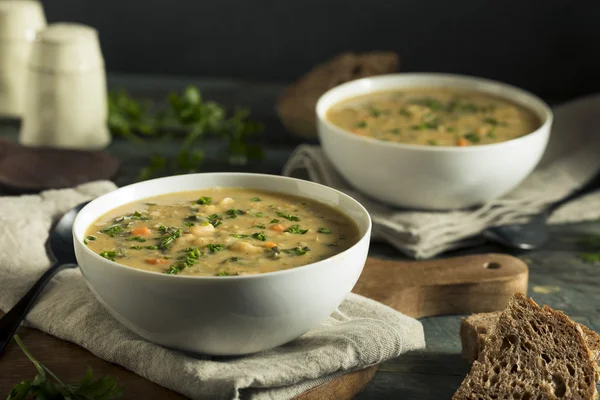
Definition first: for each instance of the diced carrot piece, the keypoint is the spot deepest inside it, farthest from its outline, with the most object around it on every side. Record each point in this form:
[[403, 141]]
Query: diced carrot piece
[[270, 245], [156, 261], [278, 228], [462, 142], [143, 231]]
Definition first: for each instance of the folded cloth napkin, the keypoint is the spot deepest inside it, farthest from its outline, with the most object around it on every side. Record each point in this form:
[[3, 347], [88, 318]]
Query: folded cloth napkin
[[571, 159], [360, 333]]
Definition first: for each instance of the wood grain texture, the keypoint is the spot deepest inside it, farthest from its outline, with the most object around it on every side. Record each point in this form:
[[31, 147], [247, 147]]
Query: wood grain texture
[[460, 285], [415, 288], [31, 169]]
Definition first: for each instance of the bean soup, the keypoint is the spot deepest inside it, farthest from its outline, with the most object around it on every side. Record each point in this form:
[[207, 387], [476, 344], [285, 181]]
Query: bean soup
[[221, 232]]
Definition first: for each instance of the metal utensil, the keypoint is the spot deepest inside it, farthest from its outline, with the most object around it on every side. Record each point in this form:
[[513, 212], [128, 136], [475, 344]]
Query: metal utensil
[[59, 247], [534, 233]]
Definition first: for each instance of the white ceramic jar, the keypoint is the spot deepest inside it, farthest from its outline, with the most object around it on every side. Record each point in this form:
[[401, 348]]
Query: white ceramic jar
[[19, 22], [66, 97]]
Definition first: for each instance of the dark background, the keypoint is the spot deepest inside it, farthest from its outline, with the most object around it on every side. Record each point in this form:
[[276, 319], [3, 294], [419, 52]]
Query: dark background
[[549, 47]]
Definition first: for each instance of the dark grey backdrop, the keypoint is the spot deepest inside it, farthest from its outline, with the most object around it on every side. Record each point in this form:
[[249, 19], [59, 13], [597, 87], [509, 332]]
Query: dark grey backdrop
[[549, 47]]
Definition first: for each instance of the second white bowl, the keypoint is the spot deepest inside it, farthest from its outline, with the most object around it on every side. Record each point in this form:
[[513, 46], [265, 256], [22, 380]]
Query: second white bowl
[[432, 177]]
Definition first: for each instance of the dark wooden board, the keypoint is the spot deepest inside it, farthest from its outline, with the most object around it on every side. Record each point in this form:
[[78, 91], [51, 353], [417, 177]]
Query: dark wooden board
[[410, 287]]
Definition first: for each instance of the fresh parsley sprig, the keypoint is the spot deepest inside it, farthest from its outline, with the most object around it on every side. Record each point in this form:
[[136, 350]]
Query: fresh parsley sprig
[[46, 385], [188, 115]]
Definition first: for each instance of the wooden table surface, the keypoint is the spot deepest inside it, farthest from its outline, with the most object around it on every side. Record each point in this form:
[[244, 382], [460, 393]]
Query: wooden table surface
[[436, 372]]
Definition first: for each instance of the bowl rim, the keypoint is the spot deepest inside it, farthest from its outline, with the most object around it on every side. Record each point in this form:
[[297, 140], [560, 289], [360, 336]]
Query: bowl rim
[[545, 115], [79, 241]]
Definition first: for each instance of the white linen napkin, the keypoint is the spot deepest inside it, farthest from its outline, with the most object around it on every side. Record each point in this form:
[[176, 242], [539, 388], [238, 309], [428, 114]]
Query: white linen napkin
[[571, 159], [360, 333]]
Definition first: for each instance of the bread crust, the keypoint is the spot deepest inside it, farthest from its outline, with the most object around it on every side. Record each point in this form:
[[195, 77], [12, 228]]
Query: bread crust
[[296, 107], [532, 353]]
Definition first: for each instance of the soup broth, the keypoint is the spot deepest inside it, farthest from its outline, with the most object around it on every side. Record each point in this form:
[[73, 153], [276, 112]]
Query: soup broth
[[221, 232], [434, 117]]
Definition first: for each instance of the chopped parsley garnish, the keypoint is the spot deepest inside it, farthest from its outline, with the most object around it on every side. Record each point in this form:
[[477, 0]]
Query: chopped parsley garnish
[[472, 137], [255, 199], [274, 221], [326, 231], [259, 214], [461, 106], [259, 226], [136, 215], [91, 238], [232, 213], [213, 248], [136, 239], [215, 220], [432, 142], [259, 236], [188, 224], [193, 217], [231, 260], [296, 251], [375, 112], [139, 216], [152, 247], [111, 255], [187, 260], [169, 237], [360, 124], [136, 247], [295, 229], [288, 216], [113, 230], [429, 102], [491, 121], [451, 129], [204, 200], [491, 134], [223, 273]]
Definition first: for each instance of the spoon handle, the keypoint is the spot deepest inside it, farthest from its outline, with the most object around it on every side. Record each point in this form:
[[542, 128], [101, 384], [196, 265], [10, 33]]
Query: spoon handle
[[589, 187], [11, 321]]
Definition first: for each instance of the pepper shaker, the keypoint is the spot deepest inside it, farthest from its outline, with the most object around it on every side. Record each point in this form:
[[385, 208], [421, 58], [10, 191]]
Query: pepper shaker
[[66, 98], [19, 22]]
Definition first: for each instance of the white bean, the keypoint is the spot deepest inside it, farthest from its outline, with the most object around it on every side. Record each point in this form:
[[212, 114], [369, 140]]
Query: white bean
[[245, 247], [227, 201], [202, 230]]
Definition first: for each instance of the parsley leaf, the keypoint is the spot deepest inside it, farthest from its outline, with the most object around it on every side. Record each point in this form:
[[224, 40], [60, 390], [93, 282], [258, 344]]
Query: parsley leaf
[[324, 230], [213, 248], [288, 216], [203, 200], [295, 229], [46, 385], [113, 230]]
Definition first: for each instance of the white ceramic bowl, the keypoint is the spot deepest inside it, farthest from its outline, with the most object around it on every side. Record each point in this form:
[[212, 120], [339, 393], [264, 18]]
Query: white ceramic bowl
[[432, 177], [222, 315]]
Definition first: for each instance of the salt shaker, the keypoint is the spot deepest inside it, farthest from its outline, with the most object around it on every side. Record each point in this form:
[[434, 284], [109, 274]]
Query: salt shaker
[[19, 22], [66, 99]]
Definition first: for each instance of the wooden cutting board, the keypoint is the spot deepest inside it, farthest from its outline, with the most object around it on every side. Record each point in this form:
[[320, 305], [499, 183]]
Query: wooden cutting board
[[460, 285]]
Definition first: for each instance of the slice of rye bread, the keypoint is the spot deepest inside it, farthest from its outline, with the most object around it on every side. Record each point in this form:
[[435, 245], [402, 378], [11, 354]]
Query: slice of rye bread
[[531, 354], [296, 107], [476, 328]]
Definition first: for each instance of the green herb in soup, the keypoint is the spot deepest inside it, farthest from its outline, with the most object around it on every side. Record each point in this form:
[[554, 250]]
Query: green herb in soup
[[434, 117], [221, 232]]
